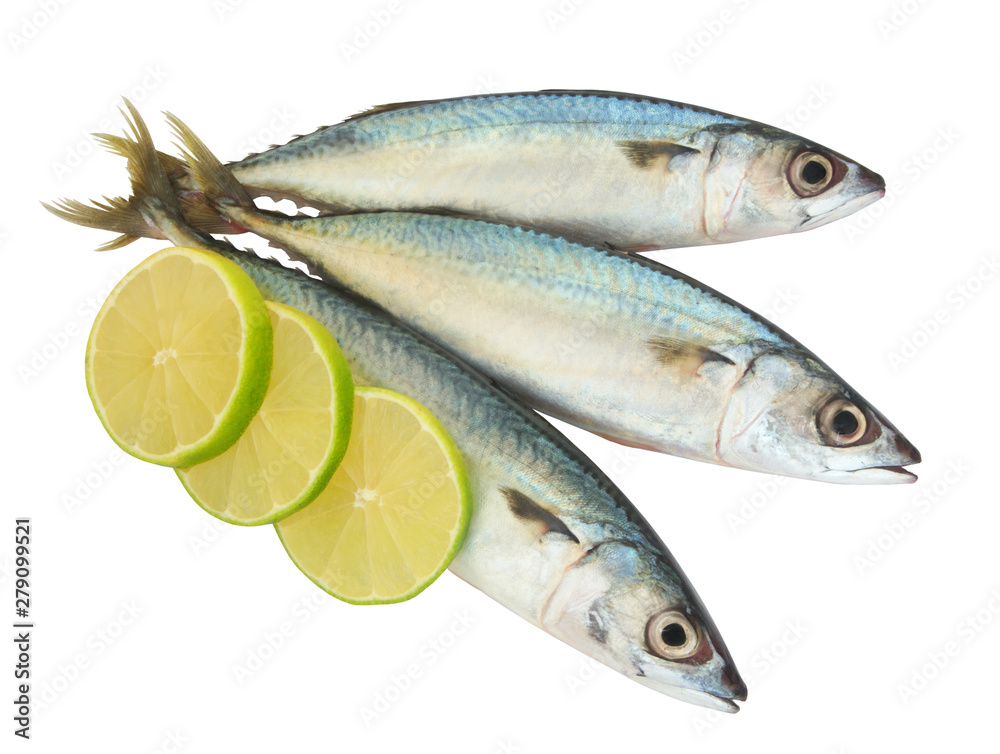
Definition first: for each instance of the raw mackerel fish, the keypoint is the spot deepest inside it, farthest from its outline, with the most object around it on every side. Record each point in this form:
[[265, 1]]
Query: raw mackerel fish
[[551, 537], [605, 168]]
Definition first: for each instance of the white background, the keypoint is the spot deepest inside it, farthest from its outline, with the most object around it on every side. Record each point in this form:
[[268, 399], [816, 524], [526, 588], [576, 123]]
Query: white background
[[110, 532]]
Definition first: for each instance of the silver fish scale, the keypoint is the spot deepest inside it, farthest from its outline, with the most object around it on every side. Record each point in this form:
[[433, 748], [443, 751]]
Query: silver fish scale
[[514, 252]]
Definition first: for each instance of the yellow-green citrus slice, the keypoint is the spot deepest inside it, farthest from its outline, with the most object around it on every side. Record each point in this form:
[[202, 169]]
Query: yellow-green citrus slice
[[394, 514], [179, 357], [295, 442]]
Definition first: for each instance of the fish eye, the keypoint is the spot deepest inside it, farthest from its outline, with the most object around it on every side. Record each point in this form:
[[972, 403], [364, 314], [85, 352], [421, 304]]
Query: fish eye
[[811, 173], [671, 636], [841, 423], [814, 172]]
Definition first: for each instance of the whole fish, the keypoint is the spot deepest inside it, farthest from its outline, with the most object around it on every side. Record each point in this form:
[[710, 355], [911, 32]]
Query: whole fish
[[606, 340], [551, 537], [633, 172]]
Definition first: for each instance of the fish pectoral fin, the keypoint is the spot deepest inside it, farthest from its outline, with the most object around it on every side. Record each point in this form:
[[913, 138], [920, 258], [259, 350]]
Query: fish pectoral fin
[[643, 154], [684, 355], [527, 509]]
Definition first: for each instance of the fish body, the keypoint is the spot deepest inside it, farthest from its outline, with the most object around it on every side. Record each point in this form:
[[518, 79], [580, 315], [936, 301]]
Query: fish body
[[602, 167], [608, 341], [551, 537]]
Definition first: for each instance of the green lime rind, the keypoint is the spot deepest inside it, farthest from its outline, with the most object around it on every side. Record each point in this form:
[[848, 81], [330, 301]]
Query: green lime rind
[[462, 482], [342, 390], [254, 357]]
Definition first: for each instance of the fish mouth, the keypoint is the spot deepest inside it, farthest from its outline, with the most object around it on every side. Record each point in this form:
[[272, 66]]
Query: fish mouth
[[901, 450], [870, 475], [736, 690], [723, 701], [726, 705], [718, 693], [847, 208]]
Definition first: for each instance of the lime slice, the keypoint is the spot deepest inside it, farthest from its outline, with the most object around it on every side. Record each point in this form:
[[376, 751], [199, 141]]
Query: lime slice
[[292, 447], [179, 357], [395, 512]]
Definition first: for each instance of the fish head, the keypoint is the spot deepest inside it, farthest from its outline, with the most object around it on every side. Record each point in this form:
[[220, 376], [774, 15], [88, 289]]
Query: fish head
[[635, 611], [788, 414], [769, 182]]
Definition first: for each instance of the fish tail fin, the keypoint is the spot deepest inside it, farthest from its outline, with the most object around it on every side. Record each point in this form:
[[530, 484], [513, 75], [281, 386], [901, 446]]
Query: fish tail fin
[[124, 216], [158, 182], [114, 214], [124, 146], [152, 210], [198, 213], [213, 179]]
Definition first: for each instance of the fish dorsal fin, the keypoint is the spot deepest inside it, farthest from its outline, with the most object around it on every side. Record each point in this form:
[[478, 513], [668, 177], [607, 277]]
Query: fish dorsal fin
[[627, 96], [605, 93], [527, 509], [387, 108], [685, 355], [390, 106]]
